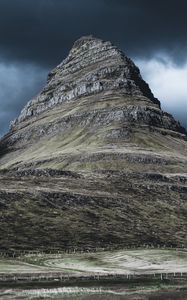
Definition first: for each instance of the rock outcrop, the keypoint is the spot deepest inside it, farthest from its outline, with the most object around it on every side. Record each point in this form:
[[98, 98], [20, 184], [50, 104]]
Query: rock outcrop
[[96, 157], [92, 66]]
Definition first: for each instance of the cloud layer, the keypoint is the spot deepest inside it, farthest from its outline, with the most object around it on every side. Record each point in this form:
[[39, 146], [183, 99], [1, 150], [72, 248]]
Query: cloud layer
[[42, 31]]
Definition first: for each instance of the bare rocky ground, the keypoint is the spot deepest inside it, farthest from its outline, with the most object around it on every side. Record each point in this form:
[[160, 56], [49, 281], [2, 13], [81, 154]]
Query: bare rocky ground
[[91, 210]]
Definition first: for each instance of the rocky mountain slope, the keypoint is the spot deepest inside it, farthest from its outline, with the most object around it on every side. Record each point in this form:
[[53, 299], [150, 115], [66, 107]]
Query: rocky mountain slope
[[93, 161]]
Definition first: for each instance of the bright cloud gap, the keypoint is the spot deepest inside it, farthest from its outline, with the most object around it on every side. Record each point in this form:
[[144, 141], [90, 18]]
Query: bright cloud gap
[[168, 83]]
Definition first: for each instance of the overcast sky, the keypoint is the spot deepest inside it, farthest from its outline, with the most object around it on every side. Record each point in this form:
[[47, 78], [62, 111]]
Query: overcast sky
[[36, 35]]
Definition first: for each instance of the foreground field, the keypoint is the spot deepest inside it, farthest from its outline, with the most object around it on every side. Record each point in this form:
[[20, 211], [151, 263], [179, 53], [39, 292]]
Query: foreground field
[[125, 274], [148, 261], [97, 293], [115, 262]]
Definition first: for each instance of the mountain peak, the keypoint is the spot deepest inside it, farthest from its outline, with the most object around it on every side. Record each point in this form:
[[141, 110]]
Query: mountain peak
[[93, 160], [93, 66], [85, 40]]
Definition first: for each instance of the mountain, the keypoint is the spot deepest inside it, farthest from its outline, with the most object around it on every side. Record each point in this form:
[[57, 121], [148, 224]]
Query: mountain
[[93, 161]]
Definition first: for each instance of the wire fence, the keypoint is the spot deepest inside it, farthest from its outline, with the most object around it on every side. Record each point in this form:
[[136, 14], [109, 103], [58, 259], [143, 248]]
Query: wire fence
[[60, 277]]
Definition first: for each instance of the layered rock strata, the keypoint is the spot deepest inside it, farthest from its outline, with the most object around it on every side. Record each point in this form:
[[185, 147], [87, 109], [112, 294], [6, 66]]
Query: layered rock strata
[[92, 66], [94, 159]]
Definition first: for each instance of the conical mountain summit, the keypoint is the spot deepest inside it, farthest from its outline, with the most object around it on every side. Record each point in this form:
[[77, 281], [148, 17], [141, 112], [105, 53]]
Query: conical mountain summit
[[93, 161], [92, 67]]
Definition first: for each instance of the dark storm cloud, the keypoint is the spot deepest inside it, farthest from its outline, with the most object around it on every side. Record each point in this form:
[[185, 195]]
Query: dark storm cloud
[[43, 30], [18, 83]]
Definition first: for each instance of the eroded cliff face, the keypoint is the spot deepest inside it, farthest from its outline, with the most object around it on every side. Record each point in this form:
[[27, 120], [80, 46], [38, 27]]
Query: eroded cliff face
[[94, 145], [92, 66]]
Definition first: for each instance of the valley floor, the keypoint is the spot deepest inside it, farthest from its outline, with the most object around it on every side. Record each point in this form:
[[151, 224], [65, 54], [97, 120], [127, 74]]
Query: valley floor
[[124, 262], [114, 275]]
